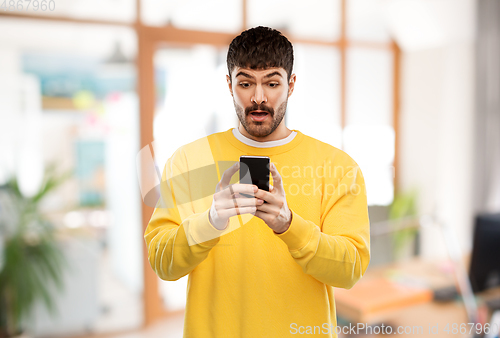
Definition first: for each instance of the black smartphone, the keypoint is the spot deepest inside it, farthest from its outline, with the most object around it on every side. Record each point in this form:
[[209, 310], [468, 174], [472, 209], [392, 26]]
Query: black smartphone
[[255, 170]]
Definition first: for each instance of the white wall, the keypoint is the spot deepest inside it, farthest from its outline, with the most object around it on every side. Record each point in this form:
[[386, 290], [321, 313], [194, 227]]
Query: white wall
[[437, 123], [124, 236]]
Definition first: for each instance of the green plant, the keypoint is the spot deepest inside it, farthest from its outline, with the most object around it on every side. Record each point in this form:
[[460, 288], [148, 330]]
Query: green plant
[[403, 207], [31, 259]]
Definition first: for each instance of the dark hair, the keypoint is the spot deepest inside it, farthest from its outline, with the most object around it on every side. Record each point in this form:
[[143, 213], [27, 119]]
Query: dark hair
[[260, 48]]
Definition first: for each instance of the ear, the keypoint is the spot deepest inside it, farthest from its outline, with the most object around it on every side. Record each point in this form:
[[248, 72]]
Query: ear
[[230, 85], [291, 84]]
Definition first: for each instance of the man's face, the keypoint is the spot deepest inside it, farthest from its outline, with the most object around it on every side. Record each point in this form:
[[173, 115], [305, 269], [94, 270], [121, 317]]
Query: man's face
[[260, 98]]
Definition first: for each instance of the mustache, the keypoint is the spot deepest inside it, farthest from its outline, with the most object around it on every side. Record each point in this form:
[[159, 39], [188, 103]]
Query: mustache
[[259, 107]]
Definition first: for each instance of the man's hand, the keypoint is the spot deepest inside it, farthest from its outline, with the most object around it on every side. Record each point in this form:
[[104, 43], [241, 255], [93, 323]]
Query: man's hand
[[228, 202], [275, 212]]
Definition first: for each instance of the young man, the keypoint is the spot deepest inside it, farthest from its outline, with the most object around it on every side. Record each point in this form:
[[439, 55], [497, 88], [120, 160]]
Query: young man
[[255, 269]]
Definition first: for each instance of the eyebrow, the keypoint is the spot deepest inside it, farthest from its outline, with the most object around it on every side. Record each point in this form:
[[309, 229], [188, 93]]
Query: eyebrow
[[251, 77]]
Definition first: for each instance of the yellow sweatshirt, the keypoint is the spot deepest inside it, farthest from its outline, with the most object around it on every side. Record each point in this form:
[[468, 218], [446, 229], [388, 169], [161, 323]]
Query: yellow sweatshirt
[[248, 281]]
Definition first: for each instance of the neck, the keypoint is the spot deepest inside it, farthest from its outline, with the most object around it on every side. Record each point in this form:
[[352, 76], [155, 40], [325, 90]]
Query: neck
[[278, 134]]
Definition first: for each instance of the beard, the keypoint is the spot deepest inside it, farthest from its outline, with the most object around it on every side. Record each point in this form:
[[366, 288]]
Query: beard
[[264, 128]]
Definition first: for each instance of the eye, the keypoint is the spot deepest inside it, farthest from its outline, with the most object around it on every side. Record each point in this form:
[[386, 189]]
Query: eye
[[245, 85], [273, 85]]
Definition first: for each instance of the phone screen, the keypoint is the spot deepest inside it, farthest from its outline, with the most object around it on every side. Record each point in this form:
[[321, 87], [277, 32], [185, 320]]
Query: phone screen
[[255, 170]]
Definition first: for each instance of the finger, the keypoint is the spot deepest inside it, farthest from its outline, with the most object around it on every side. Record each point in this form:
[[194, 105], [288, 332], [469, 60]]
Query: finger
[[276, 176], [262, 215], [266, 196], [239, 188], [228, 174], [238, 211], [245, 196], [267, 208], [239, 203]]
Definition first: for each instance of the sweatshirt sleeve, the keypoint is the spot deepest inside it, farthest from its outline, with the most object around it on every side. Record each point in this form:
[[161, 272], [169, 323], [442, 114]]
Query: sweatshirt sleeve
[[338, 252], [175, 244]]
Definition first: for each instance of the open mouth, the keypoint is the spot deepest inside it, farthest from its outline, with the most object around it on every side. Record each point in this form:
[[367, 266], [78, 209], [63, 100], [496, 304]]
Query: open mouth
[[259, 115]]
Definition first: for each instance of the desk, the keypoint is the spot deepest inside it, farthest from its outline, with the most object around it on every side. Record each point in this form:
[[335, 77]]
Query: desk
[[431, 314], [387, 289], [441, 314], [424, 314]]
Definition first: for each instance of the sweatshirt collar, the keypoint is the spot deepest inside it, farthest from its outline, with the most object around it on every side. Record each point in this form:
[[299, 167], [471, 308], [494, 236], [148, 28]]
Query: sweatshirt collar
[[294, 139], [266, 144]]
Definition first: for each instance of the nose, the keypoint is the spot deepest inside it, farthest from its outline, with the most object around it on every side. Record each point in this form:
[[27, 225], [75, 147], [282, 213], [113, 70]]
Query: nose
[[259, 95]]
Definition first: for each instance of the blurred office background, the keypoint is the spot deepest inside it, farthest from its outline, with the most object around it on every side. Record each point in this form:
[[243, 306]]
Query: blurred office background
[[409, 88]]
